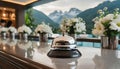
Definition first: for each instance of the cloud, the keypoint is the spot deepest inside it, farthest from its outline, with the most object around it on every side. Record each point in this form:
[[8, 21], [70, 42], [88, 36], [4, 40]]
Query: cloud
[[65, 5]]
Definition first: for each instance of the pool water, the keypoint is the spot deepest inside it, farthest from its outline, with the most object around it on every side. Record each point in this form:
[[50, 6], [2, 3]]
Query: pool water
[[92, 44]]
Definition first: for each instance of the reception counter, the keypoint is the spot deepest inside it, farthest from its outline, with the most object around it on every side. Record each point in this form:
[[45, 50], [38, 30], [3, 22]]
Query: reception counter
[[17, 54]]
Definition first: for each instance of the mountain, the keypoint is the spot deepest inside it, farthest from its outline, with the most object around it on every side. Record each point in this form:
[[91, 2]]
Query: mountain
[[91, 13], [40, 17], [57, 16], [73, 12]]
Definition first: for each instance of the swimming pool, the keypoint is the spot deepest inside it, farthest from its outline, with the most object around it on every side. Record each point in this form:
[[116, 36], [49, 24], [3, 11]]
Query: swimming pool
[[92, 44]]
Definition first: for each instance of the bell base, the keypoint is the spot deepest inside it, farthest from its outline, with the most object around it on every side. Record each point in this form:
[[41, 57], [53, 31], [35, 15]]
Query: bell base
[[57, 53]]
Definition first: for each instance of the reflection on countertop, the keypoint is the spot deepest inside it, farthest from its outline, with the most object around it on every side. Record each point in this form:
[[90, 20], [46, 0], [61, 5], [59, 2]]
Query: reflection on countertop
[[109, 59], [92, 58], [65, 63]]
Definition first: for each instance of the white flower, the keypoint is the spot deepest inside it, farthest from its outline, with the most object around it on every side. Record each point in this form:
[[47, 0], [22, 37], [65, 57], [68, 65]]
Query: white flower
[[3, 29], [75, 20], [69, 22], [80, 27], [62, 27], [43, 28], [97, 32], [12, 29], [24, 29], [117, 9], [105, 8], [107, 23], [77, 24], [20, 29], [107, 18], [98, 29], [96, 19], [100, 11], [115, 24]]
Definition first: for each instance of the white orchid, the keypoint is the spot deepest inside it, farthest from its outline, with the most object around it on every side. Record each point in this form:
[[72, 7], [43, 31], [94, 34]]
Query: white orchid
[[43, 28], [12, 29], [24, 29], [3, 29]]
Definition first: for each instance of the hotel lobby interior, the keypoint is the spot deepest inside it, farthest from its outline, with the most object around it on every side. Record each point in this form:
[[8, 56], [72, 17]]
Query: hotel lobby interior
[[59, 34]]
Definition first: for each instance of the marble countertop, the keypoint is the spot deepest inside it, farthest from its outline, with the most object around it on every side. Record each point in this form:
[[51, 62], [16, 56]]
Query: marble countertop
[[92, 58]]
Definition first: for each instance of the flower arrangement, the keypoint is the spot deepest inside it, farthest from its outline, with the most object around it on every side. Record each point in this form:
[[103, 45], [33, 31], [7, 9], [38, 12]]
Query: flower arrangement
[[43, 28], [24, 29], [12, 30], [3, 30], [73, 25], [107, 24]]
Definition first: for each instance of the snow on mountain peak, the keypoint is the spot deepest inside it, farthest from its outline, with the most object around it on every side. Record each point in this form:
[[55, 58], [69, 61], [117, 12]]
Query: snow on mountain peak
[[58, 15]]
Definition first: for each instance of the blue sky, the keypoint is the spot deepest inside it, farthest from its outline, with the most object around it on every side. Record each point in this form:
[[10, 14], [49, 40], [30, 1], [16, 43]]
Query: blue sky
[[65, 5]]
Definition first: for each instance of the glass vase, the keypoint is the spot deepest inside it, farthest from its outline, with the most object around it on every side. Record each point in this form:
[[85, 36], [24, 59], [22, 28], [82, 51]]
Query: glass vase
[[12, 36], [109, 42], [25, 36], [4, 35], [43, 37], [20, 36]]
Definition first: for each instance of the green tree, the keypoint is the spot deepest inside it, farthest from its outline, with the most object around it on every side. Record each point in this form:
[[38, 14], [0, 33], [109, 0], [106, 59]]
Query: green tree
[[29, 19]]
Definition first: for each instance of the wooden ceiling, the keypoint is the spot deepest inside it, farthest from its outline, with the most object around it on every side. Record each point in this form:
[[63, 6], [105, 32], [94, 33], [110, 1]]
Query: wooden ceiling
[[21, 2]]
